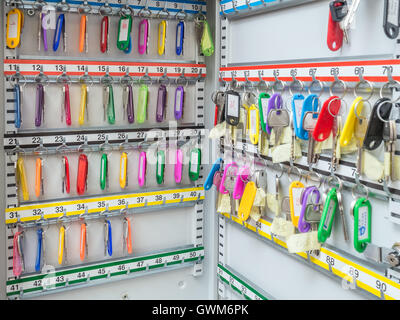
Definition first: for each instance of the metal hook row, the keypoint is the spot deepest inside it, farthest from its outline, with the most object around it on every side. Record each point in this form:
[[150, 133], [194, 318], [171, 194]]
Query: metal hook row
[[235, 9]]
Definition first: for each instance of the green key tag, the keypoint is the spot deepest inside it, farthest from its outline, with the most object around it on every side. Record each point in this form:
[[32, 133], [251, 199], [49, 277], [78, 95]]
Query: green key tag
[[110, 108], [263, 109], [194, 164], [124, 31], [142, 104], [207, 44], [160, 166], [328, 214], [362, 224], [103, 171]]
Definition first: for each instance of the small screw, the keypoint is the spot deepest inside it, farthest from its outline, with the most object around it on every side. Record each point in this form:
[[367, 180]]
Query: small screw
[[125, 296]]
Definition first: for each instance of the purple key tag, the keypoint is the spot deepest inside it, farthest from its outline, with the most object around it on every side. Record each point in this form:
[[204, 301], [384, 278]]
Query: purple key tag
[[304, 226], [179, 97]]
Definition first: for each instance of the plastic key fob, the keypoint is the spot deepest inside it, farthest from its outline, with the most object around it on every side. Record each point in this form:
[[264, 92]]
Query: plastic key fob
[[103, 171], [328, 215], [348, 128], [18, 102], [83, 104], [263, 109], [82, 174], [66, 181], [142, 169], [339, 10], [104, 34], [374, 134], [362, 224], [128, 235], [208, 183], [110, 107], [180, 36], [162, 33], [391, 19], [194, 164], [123, 167], [39, 110], [240, 183], [335, 34], [229, 167], [297, 105], [275, 102], [124, 31], [142, 104], [129, 110], [178, 166], [61, 245], [60, 29], [22, 181], [295, 191], [254, 124], [310, 105], [108, 238], [247, 201], [160, 166], [161, 103], [323, 127], [18, 258], [67, 105], [15, 22], [83, 242], [38, 261], [179, 100], [82, 33], [39, 177], [206, 43], [143, 36], [232, 107]]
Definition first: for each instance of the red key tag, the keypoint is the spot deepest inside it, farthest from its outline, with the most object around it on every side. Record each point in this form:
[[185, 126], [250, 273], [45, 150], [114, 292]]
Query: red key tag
[[329, 110], [335, 34]]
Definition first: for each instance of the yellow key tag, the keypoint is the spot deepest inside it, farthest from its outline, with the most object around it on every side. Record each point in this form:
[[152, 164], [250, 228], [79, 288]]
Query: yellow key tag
[[123, 164], [21, 175], [83, 105], [348, 129], [247, 201], [61, 245], [162, 32], [253, 124], [295, 190], [15, 22]]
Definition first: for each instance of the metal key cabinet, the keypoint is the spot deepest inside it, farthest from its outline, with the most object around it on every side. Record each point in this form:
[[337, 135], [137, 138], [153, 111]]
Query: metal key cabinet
[[200, 149]]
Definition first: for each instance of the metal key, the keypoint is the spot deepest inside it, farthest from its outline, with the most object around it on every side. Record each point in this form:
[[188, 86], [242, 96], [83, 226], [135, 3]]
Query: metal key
[[278, 119], [40, 31], [348, 20], [336, 130], [389, 137], [360, 128], [309, 122], [229, 186], [285, 208], [394, 133], [106, 98], [341, 212]]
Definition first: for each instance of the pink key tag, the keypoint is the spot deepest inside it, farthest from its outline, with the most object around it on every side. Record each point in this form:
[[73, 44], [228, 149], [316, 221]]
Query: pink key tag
[[240, 183], [143, 35], [178, 166], [230, 171], [217, 179], [17, 258], [142, 169]]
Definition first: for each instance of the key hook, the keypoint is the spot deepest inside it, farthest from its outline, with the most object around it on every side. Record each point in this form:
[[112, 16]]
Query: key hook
[[222, 8], [249, 7], [360, 187], [182, 79], [182, 13], [105, 9], [63, 148], [390, 82], [247, 82], [86, 78], [63, 6], [234, 82], [39, 4], [340, 82], [262, 82], [40, 149], [126, 10], [84, 146], [107, 79], [41, 77], [234, 6], [63, 78], [18, 77], [84, 7], [294, 83], [280, 169], [146, 78], [164, 78], [298, 173], [145, 11], [125, 145], [317, 82], [163, 12], [221, 79], [126, 79], [105, 146], [277, 82], [362, 81]]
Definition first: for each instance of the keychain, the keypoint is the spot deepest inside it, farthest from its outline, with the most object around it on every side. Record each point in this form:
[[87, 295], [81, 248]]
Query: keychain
[[104, 172], [391, 20], [295, 190], [81, 181], [15, 23], [143, 36], [179, 100], [40, 103], [160, 166], [208, 183], [247, 201], [194, 164], [142, 103], [40, 249], [84, 104], [104, 36], [108, 248], [18, 253], [127, 235], [21, 178], [123, 167], [142, 169], [83, 247], [180, 36], [161, 103], [178, 166], [361, 211], [124, 42], [65, 184], [39, 187], [162, 34], [60, 31], [18, 106], [83, 34], [62, 245]]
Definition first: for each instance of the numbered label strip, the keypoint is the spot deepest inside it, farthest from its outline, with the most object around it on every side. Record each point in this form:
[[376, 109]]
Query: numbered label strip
[[189, 6], [98, 68], [353, 275], [238, 285], [76, 137], [51, 210], [345, 171], [373, 70], [232, 6], [72, 276]]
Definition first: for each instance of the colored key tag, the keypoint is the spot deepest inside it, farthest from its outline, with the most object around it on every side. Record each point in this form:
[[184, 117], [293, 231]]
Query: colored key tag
[[108, 249], [67, 105], [104, 172], [323, 127], [180, 36], [127, 235], [240, 183], [83, 243], [348, 128], [295, 191], [142, 103], [128, 103], [310, 105], [39, 110], [81, 180], [124, 34], [39, 250], [232, 169], [18, 106], [43, 20], [232, 107], [142, 169], [123, 167], [66, 187], [15, 22], [21, 178], [62, 245], [84, 104], [254, 124], [302, 225], [104, 35], [207, 44], [208, 183], [179, 100], [178, 166], [160, 166], [335, 34], [161, 103], [162, 34], [39, 188], [362, 224], [297, 105], [60, 31], [108, 102], [194, 164], [18, 254], [328, 215], [247, 201], [143, 36], [83, 33], [263, 110]]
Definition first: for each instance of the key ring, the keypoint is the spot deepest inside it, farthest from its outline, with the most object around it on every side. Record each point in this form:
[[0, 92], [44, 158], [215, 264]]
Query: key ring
[[277, 81], [86, 79], [105, 9], [319, 177], [84, 7], [359, 83], [329, 180], [356, 188], [293, 83], [356, 107], [38, 5], [387, 84], [290, 172], [181, 12], [126, 78], [145, 11], [342, 83], [63, 78], [336, 99], [280, 169], [320, 84], [163, 11], [63, 6], [378, 110], [126, 10]]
